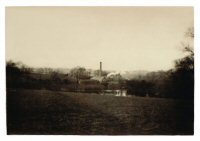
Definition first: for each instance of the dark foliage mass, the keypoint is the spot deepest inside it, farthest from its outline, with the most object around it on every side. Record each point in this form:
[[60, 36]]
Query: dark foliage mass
[[175, 83], [141, 88], [23, 77]]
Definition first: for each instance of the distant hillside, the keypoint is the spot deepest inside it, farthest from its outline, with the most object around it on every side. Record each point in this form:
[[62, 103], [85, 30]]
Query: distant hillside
[[63, 70], [134, 74]]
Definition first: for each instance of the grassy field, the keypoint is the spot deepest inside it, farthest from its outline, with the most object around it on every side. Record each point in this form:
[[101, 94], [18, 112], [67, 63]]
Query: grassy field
[[65, 113]]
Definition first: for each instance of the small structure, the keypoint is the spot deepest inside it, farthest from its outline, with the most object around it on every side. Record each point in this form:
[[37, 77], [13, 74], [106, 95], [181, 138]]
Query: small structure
[[121, 92], [100, 77]]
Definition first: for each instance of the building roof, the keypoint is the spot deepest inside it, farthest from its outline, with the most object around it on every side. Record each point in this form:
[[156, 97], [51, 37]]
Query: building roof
[[98, 78]]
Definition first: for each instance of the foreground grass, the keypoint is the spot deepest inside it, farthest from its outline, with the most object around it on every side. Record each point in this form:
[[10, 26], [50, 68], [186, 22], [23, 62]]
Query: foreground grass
[[48, 112]]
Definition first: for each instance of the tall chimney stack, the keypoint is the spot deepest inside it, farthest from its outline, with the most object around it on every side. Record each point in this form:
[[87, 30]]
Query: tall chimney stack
[[100, 72]]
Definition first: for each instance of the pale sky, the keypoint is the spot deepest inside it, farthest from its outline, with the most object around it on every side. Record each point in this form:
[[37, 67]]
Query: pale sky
[[123, 38]]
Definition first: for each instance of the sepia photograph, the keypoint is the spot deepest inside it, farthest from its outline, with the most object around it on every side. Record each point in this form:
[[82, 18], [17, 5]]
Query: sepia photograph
[[99, 70]]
